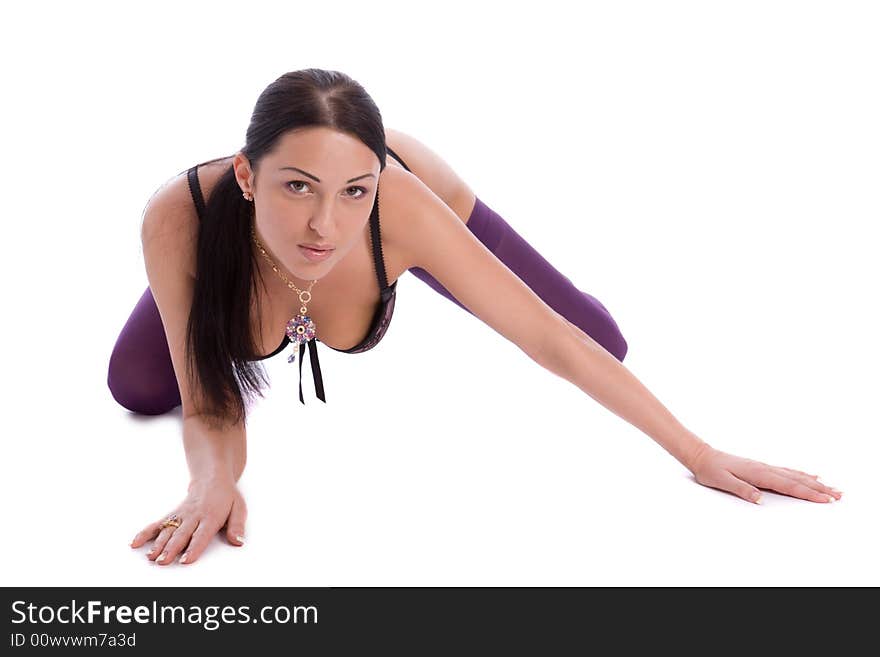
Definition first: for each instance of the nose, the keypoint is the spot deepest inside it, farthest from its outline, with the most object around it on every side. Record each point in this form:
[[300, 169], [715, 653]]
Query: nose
[[322, 220]]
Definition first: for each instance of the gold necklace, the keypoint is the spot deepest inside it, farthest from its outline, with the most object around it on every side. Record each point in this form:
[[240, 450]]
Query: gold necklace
[[300, 330]]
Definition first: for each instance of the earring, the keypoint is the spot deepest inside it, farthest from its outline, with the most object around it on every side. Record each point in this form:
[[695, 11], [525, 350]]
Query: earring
[[248, 196]]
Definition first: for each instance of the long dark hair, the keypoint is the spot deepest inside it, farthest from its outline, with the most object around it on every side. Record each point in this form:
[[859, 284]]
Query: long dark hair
[[220, 343]]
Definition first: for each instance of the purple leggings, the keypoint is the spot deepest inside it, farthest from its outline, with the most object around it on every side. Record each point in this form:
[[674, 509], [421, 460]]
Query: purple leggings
[[556, 290], [141, 377]]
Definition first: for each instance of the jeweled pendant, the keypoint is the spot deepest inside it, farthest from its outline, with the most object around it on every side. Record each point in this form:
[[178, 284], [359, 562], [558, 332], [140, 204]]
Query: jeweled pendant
[[299, 329], [302, 333]]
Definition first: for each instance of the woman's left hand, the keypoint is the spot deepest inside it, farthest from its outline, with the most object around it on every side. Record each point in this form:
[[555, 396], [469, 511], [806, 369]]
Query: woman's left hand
[[744, 477]]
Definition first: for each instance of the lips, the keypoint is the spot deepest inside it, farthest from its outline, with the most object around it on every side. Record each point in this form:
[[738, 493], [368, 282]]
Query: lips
[[314, 254]]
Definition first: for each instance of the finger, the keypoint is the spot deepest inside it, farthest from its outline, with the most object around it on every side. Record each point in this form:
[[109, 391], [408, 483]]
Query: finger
[[177, 542], [200, 539], [148, 533], [727, 481], [161, 539], [766, 478], [235, 523], [800, 472], [807, 480], [190, 554]]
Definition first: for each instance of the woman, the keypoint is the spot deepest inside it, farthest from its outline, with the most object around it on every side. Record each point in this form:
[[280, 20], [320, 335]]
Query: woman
[[283, 240]]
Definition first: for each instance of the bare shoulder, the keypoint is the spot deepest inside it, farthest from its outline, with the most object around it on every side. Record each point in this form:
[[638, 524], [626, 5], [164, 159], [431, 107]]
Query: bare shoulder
[[428, 166], [403, 200], [428, 234], [171, 221], [406, 195]]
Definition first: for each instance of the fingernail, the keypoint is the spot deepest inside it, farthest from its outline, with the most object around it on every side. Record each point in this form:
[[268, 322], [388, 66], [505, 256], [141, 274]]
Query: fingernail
[[240, 539], [757, 498], [184, 557], [830, 499], [834, 490], [151, 551], [162, 556]]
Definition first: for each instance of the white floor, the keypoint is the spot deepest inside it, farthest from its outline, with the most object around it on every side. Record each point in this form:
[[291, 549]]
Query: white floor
[[465, 465], [727, 225]]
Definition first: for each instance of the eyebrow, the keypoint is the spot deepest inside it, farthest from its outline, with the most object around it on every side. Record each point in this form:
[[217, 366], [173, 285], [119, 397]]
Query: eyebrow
[[316, 179]]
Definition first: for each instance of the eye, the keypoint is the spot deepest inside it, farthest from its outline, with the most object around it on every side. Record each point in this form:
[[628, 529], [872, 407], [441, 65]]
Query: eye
[[297, 182], [363, 192]]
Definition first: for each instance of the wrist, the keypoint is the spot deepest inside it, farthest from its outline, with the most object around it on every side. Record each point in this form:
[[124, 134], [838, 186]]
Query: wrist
[[215, 466], [694, 451], [211, 480], [213, 454]]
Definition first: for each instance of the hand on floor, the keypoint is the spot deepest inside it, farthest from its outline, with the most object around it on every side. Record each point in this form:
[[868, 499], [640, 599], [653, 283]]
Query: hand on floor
[[210, 505], [744, 477]]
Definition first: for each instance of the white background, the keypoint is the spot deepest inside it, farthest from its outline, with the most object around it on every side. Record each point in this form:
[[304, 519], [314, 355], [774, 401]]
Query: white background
[[707, 170]]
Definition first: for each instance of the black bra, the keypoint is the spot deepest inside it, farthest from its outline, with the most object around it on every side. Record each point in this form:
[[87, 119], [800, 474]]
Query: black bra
[[384, 308]]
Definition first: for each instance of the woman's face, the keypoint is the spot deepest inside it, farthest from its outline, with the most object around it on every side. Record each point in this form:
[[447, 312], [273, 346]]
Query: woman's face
[[317, 187]]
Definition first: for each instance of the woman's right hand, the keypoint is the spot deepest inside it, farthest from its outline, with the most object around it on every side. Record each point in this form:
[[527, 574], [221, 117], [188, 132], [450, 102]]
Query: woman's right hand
[[210, 505]]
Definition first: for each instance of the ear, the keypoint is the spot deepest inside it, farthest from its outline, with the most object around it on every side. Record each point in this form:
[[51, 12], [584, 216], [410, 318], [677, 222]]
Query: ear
[[244, 175]]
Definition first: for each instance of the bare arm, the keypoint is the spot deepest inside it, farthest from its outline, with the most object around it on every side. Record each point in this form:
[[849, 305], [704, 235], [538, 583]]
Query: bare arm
[[578, 358], [581, 360], [435, 239], [168, 236], [215, 456], [211, 453], [438, 241]]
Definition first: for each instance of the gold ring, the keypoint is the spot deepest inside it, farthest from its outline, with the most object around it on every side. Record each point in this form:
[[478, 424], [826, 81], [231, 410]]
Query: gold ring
[[171, 521]]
